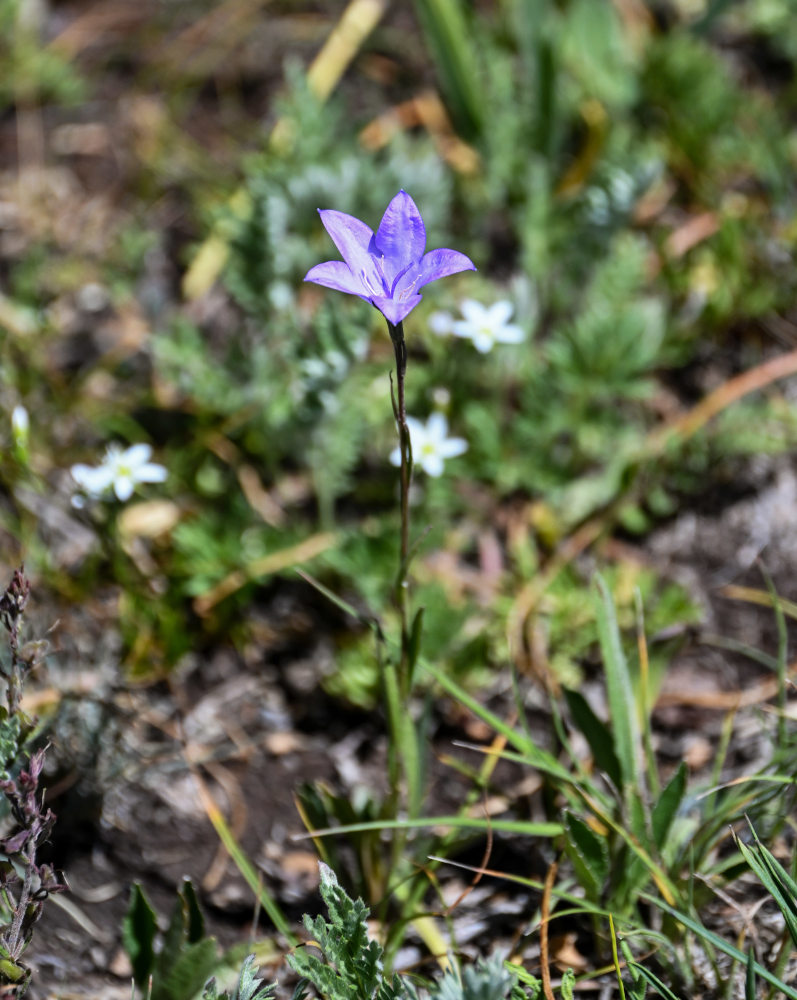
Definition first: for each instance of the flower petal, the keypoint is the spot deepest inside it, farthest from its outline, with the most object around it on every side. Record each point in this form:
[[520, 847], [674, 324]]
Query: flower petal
[[473, 311], [401, 236], [123, 487], [452, 447], [95, 481], [352, 238], [435, 264], [500, 312], [137, 454], [510, 334], [437, 427], [335, 274], [432, 464], [483, 341], [151, 472], [393, 311], [463, 328]]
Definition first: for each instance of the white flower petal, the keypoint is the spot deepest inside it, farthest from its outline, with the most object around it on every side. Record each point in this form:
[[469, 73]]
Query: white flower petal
[[94, 481], [483, 341], [20, 421], [436, 428], [123, 487], [151, 473], [499, 312], [395, 457], [452, 447], [510, 334], [432, 465], [473, 311], [137, 454]]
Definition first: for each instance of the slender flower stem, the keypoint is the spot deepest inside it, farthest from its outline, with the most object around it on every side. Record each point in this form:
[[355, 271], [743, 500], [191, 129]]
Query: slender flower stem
[[402, 582]]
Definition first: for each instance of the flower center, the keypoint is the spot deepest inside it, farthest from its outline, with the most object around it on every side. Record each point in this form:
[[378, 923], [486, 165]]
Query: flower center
[[379, 263]]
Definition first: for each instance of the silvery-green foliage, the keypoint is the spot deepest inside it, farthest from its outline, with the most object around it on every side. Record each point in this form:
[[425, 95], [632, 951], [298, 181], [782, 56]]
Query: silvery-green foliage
[[351, 964], [487, 980], [249, 987]]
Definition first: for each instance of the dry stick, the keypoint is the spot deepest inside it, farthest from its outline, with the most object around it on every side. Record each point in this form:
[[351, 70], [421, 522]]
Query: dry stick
[[655, 445], [545, 916]]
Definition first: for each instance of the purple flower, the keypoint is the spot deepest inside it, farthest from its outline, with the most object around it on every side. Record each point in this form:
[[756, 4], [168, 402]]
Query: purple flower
[[387, 268]]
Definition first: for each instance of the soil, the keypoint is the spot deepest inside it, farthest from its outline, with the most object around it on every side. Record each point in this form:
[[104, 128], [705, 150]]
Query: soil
[[250, 732]]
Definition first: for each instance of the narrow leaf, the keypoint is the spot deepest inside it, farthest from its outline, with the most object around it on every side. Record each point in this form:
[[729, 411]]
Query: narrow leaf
[[596, 734], [666, 809], [622, 705], [195, 919], [749, 979], [589, 854], [138, 935]]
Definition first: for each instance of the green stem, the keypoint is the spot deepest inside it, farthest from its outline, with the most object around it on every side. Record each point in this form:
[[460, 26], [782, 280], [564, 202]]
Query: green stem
[[401, 592]]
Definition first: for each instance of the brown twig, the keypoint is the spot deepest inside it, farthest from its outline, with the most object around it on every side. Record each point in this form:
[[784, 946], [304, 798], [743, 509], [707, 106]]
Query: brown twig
[[545, 916]]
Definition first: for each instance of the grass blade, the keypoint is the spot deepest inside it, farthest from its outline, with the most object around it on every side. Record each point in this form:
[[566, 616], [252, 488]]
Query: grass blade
[[722, 945], [622, 704], [446, 32], [775, 880]]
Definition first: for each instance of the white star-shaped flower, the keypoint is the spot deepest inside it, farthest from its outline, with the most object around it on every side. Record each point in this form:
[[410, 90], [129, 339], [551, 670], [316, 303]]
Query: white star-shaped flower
[[486, 326], [431, 445], [120, 472]]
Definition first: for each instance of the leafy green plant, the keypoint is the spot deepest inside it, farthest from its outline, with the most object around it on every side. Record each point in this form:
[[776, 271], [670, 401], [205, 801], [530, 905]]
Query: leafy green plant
[[186, 958], [247, 988], [628, 837], [351, 964]]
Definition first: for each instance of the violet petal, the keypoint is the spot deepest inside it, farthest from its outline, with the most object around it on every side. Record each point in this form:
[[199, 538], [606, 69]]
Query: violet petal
[[401, 236], [335, 274], [393, 310], [353, 238], [435, 264]]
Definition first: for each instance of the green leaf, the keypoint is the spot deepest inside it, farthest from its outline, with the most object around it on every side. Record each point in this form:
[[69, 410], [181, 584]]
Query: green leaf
[[596, 734], [174, 941], [654, 981], [598, 54], [416, 632], [195, 919], [445, 30], [749, 979], [720, 944], [589, 854], [249, 987], [191, 970], [622, 704], [666, 809], [139, 928], [775, 879]]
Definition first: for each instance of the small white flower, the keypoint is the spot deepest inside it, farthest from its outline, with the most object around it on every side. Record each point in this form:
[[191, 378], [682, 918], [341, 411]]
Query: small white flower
[[431, 444], [20, 424], [486, 326], [120, 471]]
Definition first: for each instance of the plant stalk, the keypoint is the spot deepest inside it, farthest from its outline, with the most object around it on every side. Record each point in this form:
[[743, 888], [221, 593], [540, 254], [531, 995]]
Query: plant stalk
[[401, 591]]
